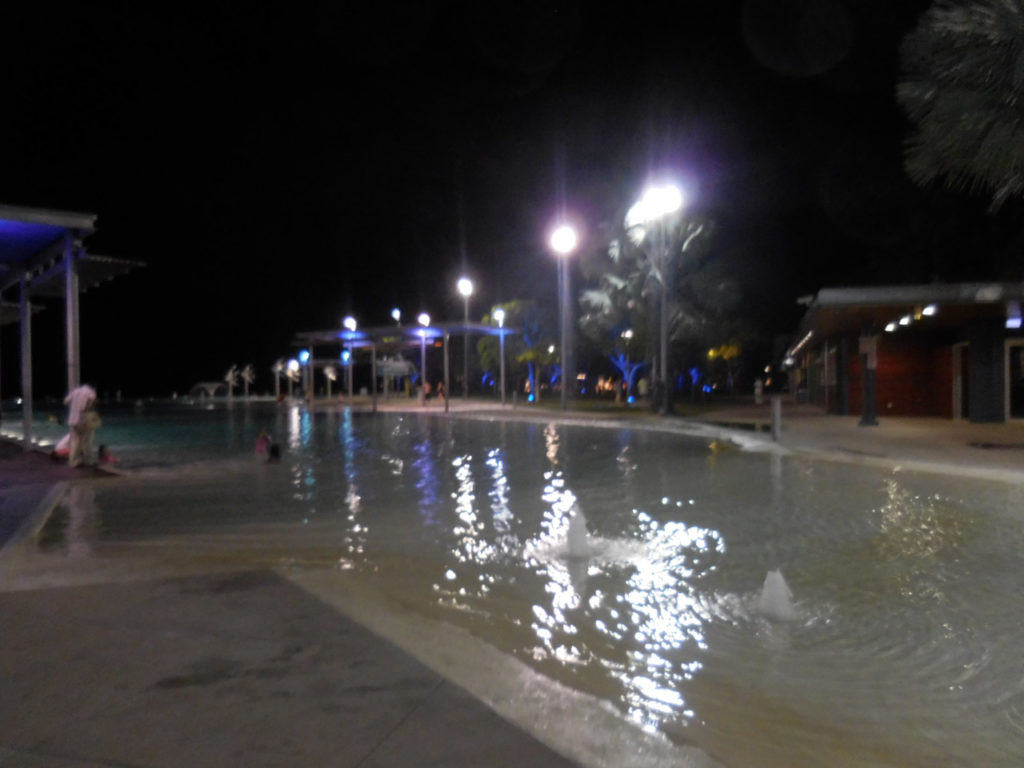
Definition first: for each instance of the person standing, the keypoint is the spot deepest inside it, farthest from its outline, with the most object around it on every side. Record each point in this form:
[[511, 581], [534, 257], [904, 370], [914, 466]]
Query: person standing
[[82, 422]]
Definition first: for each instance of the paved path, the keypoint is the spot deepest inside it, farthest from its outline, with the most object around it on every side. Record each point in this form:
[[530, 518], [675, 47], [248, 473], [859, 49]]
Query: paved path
[[230, 669]]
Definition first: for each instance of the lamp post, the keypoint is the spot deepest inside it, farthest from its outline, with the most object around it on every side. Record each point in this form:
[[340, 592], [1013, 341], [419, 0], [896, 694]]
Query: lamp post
[[563, 243], [465, 286], [424, 320], [655, 207], [499, 316], [350, 325], [396, 315]]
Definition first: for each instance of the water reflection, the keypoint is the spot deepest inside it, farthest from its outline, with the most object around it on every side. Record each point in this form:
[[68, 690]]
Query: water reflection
[[356, 533]]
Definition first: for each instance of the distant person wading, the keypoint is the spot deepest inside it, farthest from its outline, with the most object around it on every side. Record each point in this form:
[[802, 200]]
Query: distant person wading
[[83, 420]]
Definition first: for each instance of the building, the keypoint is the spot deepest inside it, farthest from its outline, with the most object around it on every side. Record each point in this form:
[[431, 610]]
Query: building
[[953, 351]]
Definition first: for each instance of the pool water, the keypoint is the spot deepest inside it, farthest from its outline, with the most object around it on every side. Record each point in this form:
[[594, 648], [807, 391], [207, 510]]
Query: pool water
[[903, 647]]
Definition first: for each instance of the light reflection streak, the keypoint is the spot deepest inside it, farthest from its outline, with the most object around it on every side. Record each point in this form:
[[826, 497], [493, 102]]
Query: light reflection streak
[[300, 431], [428, 480], [355, 538]]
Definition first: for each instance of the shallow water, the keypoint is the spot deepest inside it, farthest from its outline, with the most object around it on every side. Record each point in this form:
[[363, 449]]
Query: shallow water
[[904, 644]]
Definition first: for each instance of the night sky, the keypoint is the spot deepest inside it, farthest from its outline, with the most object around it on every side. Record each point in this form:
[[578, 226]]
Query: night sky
[[278, 167]]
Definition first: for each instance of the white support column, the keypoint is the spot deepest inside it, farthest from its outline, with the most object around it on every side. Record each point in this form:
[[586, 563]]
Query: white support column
[[373, 373], [447, 377], [71, 313], [26, 364]]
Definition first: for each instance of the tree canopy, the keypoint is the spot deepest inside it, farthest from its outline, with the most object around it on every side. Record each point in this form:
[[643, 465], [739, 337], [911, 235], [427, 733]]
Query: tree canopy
[[963, 88]]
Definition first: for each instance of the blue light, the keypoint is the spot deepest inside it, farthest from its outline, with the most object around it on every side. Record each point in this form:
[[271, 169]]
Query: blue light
[[694, 375], [529, 397], [706, 387], [345, 356], [630, 399], [303, 356]]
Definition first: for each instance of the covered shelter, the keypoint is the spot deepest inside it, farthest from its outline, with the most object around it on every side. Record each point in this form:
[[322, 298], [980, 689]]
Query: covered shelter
[[942, 350], [392, 336], [42, 255]]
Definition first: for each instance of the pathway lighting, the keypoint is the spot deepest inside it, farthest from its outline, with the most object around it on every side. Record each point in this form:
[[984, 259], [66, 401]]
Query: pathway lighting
[[654, 208], [350, 325], [499, 317], [563, 242], [465, 287], [424, 320]]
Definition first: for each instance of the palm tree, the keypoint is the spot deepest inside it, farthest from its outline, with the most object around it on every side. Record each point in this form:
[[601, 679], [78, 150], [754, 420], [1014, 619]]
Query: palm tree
[[278, 369], [248, 377], [231, 377], [331, 374], [962, 88]]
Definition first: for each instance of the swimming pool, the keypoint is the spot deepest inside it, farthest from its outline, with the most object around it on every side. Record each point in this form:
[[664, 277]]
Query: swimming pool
[[900, 645]]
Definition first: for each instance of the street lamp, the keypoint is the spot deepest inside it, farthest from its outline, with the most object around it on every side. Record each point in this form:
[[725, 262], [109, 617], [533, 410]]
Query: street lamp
[[396, 315], [350, 325], [499, 316], [424, 320], [655, 207], [563, 243], [465, 286]]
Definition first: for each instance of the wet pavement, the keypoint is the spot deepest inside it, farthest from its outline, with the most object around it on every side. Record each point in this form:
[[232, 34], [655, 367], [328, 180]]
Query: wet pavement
[[235, 666]]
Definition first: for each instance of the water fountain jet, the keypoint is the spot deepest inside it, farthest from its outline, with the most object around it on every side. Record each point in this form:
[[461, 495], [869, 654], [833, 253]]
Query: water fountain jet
[[776, 600], [576, 540]]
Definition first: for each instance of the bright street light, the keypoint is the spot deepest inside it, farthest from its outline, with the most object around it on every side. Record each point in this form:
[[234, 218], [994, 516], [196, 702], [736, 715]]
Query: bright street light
[[424, 320], [655, 207], [396, 315], [563, 242], [350, 324], [465, 286], [499, 316]]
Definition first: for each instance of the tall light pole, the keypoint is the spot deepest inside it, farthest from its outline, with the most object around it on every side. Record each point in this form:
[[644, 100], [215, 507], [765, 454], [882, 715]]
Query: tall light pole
[[563, 243], [655, 207], [499, 316], [465, 286], [350, 325], [424, 320]]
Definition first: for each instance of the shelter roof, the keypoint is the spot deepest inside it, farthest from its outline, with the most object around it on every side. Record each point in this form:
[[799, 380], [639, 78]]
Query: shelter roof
[[26, 232], [405, 335], [32, 243], [848, 310]]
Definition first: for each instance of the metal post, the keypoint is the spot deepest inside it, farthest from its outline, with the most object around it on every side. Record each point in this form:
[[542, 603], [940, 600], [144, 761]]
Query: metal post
[[663, 362], [869, 358], [501, 347], [563, 300], [373, 373], [446, 376], [351, 365], [423, 365], [71, 333], [465, 351], [26, 364], [311, 386]]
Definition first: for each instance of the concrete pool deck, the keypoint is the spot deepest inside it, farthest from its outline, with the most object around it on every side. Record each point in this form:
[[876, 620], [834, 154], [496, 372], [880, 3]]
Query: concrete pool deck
[[244, 667]]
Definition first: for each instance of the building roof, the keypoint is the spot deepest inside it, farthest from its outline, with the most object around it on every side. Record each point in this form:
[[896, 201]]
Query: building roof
[[849, 310]]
